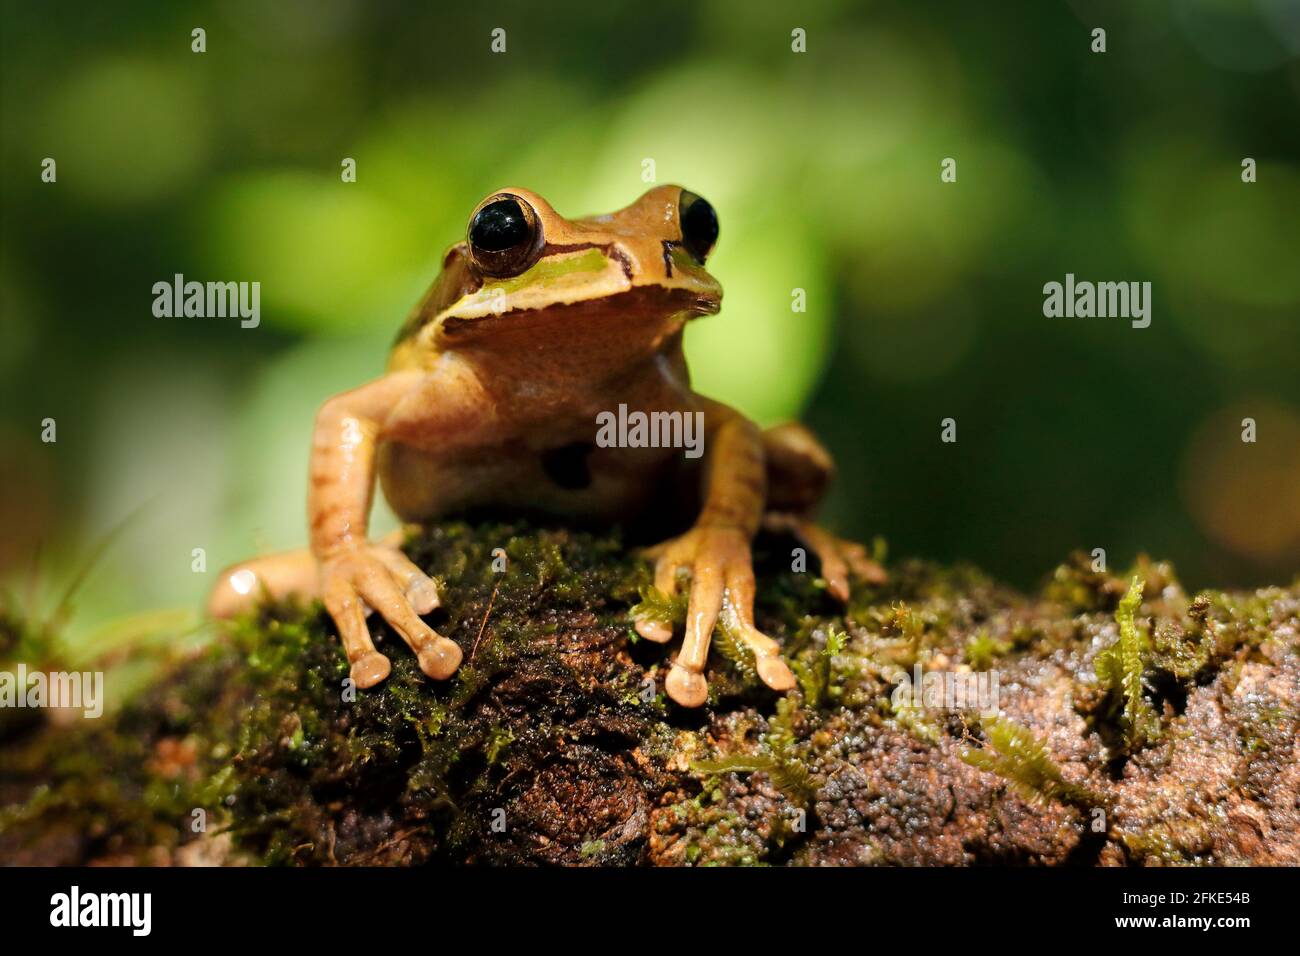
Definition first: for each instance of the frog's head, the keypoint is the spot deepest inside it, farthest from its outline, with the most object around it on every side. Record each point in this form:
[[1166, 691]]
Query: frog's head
[[525, 270]]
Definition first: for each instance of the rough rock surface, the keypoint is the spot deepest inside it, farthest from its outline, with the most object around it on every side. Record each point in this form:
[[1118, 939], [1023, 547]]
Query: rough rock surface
[[554, 744]]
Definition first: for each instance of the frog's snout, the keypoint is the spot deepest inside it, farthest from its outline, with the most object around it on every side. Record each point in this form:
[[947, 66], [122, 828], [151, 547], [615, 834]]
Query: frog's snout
[[685, 276], [709, 305]]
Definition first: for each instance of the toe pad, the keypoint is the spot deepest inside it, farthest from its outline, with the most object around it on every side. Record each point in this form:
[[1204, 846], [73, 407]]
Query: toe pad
[[687, 688], [369, 669]]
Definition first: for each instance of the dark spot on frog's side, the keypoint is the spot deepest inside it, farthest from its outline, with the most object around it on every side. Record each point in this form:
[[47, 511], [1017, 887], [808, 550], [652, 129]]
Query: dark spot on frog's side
[[567, 465]]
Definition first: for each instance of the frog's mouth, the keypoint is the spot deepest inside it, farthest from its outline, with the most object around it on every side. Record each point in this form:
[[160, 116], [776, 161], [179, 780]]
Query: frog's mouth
[[640, 308]]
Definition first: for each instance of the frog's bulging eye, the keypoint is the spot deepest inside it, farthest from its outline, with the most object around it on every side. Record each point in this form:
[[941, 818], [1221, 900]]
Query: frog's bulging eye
[[504, 236], [699, 225], [499, 226]]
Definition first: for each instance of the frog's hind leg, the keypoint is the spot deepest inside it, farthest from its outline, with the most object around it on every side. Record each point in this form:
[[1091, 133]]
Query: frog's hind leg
[[799, 470]]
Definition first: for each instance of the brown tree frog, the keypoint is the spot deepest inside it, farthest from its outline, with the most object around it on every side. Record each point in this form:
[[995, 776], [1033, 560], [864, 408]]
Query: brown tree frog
[[536, 326]]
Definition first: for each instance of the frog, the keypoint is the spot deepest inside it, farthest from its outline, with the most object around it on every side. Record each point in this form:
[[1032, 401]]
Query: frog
[[537, 326]]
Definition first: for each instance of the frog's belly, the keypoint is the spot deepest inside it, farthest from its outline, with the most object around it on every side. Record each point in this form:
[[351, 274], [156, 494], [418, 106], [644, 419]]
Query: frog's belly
[[577, 481]]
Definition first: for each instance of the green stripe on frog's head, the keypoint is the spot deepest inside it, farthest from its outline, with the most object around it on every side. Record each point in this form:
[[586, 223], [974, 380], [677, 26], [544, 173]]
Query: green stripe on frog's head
[[548, 271]]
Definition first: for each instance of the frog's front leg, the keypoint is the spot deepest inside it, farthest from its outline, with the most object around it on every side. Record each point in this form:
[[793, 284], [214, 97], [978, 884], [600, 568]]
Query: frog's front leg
[[355, 574], [296, 575], [716, 551]]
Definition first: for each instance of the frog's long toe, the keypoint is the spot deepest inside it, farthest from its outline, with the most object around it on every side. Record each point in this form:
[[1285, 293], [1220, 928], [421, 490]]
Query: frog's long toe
[[775, 673], [686, 687], [420, 589], [369, 669], [656, 631], [840, 560], [772, 669], [439, 658], [666, 564]]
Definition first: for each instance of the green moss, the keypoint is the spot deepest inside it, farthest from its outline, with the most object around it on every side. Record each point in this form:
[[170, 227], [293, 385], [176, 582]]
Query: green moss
[[1015, 755], [911, 718], [734, 763], [498, 740], [1181, 652], [284, 740], [983, 649], [1180, 842], [657, 607], [738, 654], [790, 773], [1121, 667], [22, 638], [551, 721], [1080, 587], [816, 677], [779, 758], [1229, 622]]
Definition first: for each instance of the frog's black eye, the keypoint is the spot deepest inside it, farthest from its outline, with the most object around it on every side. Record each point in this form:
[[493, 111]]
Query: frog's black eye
[[699, 225], [504, 236]]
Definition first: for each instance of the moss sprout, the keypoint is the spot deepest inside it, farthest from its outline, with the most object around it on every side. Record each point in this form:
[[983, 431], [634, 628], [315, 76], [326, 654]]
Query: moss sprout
[[659, 608], [735, 652], [982, 649], [779, 759], [1121, 666], [1017, 756], [816, 677]]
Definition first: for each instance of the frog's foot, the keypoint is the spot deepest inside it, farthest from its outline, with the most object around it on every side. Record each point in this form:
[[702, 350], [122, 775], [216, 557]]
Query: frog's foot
[[380, 577], [296, 574], [840, 559], [722, 584]]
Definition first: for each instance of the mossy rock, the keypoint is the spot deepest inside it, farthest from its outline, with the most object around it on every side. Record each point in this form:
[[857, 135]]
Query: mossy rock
[[554, 743]]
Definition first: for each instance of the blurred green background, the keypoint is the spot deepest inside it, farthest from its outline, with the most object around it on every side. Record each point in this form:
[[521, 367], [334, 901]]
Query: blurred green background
[[924, 299]]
